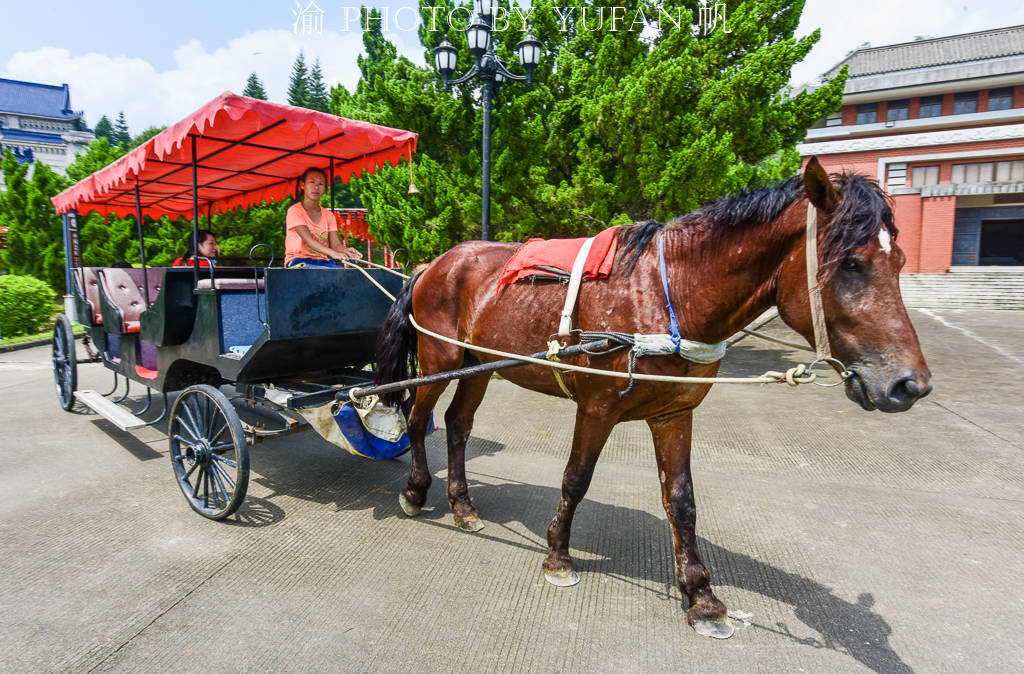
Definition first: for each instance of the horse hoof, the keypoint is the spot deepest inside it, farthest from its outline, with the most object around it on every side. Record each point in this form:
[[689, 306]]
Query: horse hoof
[[469, 523], [562, 578], [716, 629], [410, 509]]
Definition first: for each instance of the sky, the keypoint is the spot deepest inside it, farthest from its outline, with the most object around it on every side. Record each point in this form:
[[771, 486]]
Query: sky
[[159, 61]]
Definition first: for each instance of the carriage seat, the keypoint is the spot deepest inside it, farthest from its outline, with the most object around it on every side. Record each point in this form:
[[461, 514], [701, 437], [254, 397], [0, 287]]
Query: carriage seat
[[87, 277], [124, 293], [230, 284]]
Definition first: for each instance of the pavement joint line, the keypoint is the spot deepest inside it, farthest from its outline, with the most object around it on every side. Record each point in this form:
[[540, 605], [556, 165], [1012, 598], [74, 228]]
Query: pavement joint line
[[995, 347], [795, 480], [165, 612], [974, 423]]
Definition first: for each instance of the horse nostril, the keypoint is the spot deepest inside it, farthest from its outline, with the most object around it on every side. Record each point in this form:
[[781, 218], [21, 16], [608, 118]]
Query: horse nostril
[[906, 389]]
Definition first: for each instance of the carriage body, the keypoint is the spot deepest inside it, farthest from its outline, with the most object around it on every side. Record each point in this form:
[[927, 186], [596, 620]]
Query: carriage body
[[287, 339]]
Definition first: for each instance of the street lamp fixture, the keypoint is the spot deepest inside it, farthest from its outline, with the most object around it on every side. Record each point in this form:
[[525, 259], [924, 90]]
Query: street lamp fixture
[[491, 73]]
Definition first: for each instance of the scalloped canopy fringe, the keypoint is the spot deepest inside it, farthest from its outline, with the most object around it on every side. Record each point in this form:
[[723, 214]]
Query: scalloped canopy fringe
[[249, 151]]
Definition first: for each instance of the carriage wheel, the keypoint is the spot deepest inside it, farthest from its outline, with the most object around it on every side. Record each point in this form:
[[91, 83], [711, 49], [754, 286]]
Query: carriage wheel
[[65, 363], [209, 452]]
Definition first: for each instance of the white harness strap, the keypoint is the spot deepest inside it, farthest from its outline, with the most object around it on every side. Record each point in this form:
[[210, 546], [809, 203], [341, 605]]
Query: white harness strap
[[575, 278], [814, 288]]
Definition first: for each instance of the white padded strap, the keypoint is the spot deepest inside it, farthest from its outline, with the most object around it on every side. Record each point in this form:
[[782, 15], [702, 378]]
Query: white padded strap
[[575, 278]]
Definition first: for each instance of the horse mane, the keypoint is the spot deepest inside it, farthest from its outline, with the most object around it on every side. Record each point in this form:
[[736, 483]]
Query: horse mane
[[863, 210]]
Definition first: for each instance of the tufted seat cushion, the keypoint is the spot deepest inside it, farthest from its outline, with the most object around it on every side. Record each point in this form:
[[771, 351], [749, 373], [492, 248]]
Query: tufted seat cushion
[[123, 291], [88, 283]]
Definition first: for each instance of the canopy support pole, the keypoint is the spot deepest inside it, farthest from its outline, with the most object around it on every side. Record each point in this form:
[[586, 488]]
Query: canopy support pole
[[142, 244], [332, 186], [67, 255], [195, 216]]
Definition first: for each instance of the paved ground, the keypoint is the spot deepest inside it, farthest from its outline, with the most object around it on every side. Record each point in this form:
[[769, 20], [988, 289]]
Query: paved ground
[[857, 541]]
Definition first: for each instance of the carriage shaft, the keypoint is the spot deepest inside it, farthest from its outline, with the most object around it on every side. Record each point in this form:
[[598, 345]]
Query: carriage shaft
[[466, 372]]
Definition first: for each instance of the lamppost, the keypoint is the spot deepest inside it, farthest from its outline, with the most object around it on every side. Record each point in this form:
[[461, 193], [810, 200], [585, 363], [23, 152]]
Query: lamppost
[[491, 72]]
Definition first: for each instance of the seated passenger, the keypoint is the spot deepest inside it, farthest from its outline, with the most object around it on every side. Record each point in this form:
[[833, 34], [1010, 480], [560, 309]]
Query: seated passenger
[[208, 248], [311, 239]]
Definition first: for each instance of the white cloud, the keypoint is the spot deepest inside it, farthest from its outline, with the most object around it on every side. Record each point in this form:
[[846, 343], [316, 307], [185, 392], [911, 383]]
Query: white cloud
[[102, 84]]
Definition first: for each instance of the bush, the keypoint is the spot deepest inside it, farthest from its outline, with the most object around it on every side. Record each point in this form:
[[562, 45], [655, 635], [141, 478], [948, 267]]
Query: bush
[[26, 305]]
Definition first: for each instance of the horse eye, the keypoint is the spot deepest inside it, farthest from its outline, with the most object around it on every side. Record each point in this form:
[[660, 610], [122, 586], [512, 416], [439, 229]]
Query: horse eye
[[850, 264]]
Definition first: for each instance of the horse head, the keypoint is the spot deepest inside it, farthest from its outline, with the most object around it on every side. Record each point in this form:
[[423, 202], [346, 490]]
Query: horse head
[[868, 327]]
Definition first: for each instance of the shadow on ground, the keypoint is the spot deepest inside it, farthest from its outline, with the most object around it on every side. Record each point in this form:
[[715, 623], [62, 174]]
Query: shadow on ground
[[320, 475]]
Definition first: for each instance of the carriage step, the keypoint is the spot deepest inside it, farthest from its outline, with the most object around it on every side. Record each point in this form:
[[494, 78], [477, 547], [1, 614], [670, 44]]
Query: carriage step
[[110, 411]]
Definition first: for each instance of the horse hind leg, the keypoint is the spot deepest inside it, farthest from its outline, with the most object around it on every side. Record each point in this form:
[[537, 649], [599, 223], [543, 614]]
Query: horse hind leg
[[706, 614], [414, 495], [459, 422]]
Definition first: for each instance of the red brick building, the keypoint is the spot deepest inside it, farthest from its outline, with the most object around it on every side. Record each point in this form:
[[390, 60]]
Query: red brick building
[[940, 124]]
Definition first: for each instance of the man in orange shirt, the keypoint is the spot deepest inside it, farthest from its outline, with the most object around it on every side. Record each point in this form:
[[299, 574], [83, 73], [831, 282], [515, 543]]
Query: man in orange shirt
[[311, 239]]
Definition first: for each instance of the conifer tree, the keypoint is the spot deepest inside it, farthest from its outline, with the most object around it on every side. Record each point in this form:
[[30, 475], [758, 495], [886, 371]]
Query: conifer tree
[[121, 136], [104, 129], [318, 98], [254, 88], [298, 86], [618, 125]]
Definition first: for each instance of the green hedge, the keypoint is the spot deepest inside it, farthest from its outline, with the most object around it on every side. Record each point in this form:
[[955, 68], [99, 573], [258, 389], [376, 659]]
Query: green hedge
[[26, 305]]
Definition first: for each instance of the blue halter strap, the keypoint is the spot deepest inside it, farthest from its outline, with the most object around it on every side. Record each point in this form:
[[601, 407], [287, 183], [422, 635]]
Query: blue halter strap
[[673, 326]]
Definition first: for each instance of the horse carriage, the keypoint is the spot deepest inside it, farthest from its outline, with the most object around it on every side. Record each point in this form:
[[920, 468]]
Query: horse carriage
[[303, 340], [288, 338]]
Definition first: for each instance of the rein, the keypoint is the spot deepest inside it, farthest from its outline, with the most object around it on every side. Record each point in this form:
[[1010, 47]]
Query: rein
[[801, 374]]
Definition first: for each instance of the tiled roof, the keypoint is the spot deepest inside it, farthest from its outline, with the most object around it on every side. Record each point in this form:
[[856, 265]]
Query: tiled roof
[[30, 98], [986, 44], [31, 136]]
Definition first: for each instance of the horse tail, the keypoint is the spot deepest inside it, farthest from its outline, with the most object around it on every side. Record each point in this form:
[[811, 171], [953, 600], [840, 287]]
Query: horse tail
[[396, 349]]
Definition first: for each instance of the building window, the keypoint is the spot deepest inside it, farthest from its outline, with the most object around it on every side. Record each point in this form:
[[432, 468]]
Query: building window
[[965, 103], [931, 106], [896, 175], [867, 113], [925, 175], [835, 119], [1001, 171], [898, 111], [1000, 99]]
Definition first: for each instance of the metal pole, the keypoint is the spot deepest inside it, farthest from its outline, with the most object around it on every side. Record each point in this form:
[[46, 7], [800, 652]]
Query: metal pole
[[486, 179], [67, 255], [332, 187], [466, 372], [142, 245], [195, 216]]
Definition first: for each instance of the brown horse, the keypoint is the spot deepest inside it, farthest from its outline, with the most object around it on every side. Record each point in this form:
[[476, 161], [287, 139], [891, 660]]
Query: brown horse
[[728, 262]]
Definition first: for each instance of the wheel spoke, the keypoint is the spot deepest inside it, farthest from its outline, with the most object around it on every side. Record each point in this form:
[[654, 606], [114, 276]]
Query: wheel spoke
[[199, 480], [217, 484], [223, 447], [222, 459], [223, 473], [181, 422], [220, 431], [206, 487], [195, 416], [194, 429]]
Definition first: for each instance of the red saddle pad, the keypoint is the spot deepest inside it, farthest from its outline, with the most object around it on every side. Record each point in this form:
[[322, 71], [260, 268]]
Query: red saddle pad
[[536, 257]]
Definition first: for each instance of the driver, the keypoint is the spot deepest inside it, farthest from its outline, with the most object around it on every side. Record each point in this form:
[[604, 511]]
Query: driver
[[311, 239]]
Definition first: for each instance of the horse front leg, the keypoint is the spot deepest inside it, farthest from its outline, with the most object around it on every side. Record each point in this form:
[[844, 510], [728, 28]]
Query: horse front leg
[[672, 435], [414, 495], [589, 436]]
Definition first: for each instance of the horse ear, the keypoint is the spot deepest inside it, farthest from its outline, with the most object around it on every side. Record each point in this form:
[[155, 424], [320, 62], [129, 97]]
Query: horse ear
[[819, 188]]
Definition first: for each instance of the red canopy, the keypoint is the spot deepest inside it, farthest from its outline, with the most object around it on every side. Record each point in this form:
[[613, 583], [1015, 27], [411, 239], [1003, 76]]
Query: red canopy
[[247, 151]]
